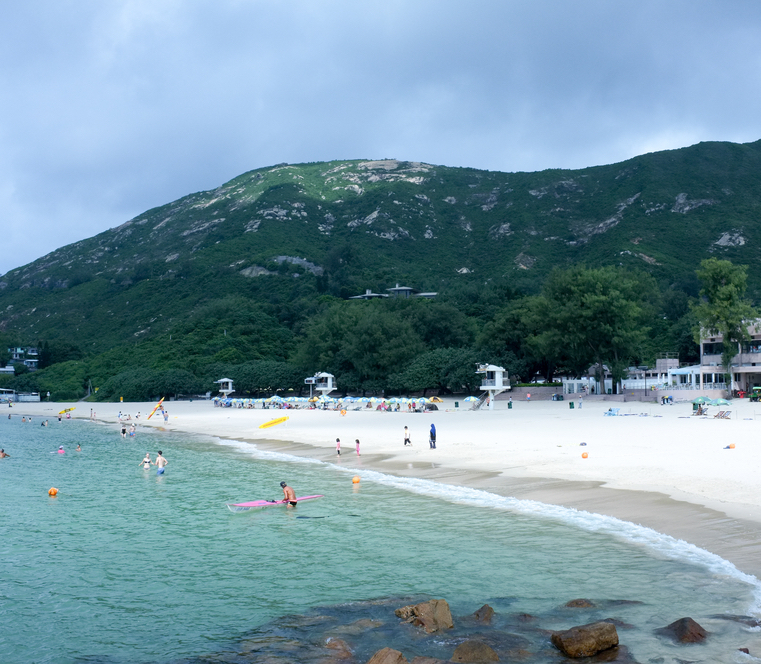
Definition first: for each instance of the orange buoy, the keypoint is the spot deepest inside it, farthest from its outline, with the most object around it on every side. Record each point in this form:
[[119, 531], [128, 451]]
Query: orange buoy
[[584, 456], [343, 412], [52, 491], [355, 479], [731, 446]]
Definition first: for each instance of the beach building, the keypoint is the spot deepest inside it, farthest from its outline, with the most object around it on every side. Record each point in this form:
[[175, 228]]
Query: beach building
[[494, 381], [323, 382], [745, 364], [225, 386]]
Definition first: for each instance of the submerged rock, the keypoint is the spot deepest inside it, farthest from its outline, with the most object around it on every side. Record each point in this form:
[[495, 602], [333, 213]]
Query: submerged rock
[[474, 652], [586, 640], [433, 616], [684, 630], [580, 604]]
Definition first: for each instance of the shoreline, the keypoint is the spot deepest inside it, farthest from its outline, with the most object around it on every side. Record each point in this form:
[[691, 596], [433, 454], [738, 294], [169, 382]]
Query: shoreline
[[664, 472]]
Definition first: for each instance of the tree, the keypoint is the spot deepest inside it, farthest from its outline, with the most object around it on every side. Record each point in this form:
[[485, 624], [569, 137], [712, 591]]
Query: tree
[[594, 316], [724, 310]]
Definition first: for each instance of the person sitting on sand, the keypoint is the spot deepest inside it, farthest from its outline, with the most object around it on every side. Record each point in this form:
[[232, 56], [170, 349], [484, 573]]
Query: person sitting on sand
[[288, 494]]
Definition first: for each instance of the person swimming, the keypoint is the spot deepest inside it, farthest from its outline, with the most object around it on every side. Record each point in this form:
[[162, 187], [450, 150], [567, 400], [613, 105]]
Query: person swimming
[[61, 450]]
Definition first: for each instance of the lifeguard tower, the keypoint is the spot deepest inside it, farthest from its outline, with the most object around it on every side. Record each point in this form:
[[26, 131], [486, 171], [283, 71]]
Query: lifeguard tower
[[494, 382], [322, 382], [225, 386]]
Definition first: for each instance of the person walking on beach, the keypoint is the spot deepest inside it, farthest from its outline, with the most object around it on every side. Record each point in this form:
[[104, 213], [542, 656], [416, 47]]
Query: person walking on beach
[[407, 440], [581, 402], [357, 446], [432, 439], [161, 462], [289, 494], [338, 446], [166, 417]]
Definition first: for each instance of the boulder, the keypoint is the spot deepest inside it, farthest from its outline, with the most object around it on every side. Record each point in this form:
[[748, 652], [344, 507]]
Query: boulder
[[585, 640], [341, 648], [428, 660], [433, 616], [484, 614], [474, 652], [745, 650], [684, 630], [580, 604], [387, 656]]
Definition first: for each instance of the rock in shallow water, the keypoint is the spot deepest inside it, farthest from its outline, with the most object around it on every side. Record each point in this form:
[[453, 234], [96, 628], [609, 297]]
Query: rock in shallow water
[[433, 616], [474, 652], [684, 630], [586, 640], [388, 656]]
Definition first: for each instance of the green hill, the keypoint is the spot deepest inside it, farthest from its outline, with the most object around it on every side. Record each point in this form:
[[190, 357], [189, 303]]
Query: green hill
[[267, 251]]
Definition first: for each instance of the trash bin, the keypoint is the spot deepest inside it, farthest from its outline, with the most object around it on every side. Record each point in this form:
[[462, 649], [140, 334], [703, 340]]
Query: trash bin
[[570, 405], [509, 405], [694, 407], [456, 404]]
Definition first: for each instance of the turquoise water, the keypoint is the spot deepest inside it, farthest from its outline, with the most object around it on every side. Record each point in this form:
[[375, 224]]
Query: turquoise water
[[127, 566]]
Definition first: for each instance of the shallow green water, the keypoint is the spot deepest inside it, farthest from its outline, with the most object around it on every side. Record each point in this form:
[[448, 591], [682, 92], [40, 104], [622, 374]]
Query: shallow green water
[[127, 566]]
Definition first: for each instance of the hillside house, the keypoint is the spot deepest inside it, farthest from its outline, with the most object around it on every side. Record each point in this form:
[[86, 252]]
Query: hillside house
[[26, 355]]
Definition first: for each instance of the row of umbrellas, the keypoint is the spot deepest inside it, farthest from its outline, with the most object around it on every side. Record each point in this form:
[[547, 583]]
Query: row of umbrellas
[[711, 402], [323, 399]]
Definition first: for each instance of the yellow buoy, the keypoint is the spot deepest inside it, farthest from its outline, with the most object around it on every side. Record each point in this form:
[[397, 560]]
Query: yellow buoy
[[52, 491], [355, 479], [584, 456]]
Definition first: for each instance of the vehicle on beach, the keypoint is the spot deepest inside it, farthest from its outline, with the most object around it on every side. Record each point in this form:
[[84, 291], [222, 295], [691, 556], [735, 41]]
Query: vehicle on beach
[[755, 394]]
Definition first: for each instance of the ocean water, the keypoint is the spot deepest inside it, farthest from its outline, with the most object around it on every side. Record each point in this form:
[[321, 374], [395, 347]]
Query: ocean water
[[125, 566]]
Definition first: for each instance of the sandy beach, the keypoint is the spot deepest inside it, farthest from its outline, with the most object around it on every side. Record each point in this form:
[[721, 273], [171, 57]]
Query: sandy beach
[[654, 465]]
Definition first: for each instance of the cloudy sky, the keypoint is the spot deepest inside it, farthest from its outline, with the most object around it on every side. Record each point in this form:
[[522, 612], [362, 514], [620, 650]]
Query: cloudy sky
[[110, 108]]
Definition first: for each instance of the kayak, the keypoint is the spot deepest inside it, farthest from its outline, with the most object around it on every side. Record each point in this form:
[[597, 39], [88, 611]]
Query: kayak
[[273, 423], [259, 504]]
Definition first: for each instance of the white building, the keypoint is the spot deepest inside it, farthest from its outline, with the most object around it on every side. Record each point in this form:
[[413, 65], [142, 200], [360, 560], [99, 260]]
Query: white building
[[323, 382], [225, 386], [494, 381]]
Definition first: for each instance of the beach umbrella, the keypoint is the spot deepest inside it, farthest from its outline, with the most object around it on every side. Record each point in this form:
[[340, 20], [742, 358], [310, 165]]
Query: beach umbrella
[[312, 399], [720, 402], [701, 400], [470, 399]]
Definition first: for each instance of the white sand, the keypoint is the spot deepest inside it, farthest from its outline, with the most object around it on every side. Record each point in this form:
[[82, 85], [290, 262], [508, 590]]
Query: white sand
[[668, 452]]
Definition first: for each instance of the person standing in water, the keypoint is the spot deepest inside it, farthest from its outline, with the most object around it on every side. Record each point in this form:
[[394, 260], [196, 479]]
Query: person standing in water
[[161, 462], [3, 455], [146, 462], [289, 494], [79, 448], [338, 446]]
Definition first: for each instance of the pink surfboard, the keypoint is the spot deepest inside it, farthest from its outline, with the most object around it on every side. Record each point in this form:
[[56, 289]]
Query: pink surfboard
[[259, 504]]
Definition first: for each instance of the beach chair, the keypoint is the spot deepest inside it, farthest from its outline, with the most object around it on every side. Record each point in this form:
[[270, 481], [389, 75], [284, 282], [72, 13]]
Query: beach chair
[[719, 415], [727, 415], [611, 412]]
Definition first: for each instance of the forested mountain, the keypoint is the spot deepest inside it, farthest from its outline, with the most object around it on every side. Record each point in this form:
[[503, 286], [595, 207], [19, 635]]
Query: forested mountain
[[249, 271]]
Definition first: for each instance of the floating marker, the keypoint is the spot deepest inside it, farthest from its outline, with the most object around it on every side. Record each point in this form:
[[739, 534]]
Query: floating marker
[[355, 479], [584, 456], [52, 491]]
